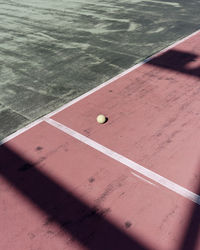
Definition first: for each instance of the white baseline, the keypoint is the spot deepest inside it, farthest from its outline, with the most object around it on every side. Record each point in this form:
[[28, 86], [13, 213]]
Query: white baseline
[[125, 161]]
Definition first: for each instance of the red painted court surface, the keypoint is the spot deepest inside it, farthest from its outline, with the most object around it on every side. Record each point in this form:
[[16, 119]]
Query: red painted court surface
[[131, 183]]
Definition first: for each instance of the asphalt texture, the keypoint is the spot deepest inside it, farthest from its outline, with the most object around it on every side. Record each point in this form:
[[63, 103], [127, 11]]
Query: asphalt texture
[[53, 51]]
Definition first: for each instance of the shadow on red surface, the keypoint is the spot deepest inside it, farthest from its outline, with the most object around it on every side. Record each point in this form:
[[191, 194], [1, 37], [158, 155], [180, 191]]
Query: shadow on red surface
[[86, 225], [177, 61], [192, 231]]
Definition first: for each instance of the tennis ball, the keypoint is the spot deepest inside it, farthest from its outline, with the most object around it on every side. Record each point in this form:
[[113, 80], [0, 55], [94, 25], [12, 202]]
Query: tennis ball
[[101, 119]]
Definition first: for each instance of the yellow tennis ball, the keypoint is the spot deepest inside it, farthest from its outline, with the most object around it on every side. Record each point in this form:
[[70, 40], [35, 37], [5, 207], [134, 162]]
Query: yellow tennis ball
[[101, 119]]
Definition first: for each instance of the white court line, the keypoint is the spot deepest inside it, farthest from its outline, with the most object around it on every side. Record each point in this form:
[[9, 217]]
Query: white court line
[[22, 130], [125, 161]]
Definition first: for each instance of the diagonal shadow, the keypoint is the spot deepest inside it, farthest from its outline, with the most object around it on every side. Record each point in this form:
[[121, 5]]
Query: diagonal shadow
[[86, 224], [176, 61], [193, 229]]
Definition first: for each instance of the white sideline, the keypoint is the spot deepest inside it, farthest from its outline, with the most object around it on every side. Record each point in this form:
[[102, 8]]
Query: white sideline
[[125, 161], [22, 130]]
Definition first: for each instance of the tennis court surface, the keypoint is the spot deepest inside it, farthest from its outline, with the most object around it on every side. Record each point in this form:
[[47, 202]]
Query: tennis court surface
[[68, 182], [54, 51]]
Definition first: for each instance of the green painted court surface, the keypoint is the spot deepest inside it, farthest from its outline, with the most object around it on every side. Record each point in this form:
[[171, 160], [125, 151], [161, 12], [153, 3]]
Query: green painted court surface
[[53, 51]]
